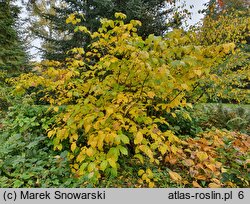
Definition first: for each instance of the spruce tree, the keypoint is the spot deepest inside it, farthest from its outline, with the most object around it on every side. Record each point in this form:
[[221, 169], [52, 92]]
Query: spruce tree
[[152, 14], [12, 54]]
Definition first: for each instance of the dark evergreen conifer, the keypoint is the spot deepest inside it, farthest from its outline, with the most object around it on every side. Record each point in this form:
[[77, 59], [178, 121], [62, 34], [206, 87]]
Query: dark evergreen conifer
[[12, 54], [152, 14]]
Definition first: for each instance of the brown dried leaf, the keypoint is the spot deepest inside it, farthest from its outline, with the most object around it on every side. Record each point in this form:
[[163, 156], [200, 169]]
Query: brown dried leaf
[[214, 185], [196, 185], [175, 176]]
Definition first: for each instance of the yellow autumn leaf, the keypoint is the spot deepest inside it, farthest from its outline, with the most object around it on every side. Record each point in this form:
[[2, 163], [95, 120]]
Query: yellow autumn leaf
[[83, 28], [188, 162], [120, 15], [184, 86], [149, 173], [112, 162], [90, 152], [196, 185], [70, 18], [144, 177], [51, 133], [109, 111], [121, 98], [151, 184], [175, 176], [212, 167], [144, 55], [73, 146], [76, 166], [133, 129], [80, 158], [56, 109], [174, 115], [138, 138], [198, 72], [228, 47], [201, 177], [151, 94], [163, 149], [74, 136], [202, 156], [217, 181], [140, 172], [87, 128], [58, 147], [71, 156], [174, 149], [214, 185], [129, 26], [113, 59]]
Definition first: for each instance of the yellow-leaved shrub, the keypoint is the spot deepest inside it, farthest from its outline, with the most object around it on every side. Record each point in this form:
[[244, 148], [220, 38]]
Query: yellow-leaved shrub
[[114, 95]]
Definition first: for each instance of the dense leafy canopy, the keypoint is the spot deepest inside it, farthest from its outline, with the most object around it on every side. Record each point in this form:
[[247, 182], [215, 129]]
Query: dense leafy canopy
[[228, 81], [110, 99]]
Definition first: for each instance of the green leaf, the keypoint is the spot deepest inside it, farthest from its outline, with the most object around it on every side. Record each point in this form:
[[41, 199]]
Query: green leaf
[[123, 150], [83, 166], [140, 157], [18, 183], [124, 139], [113, 172], [91, 167], [113, 153], [104, 165]]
